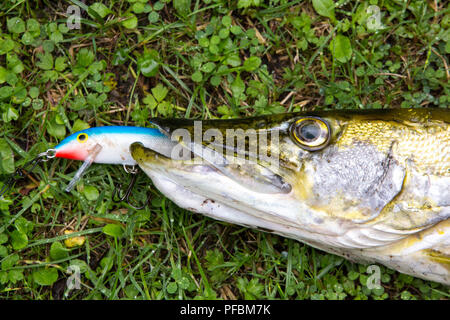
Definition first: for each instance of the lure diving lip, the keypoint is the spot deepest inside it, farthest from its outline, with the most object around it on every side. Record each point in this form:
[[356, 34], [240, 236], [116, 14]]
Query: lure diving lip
[[86, 164]]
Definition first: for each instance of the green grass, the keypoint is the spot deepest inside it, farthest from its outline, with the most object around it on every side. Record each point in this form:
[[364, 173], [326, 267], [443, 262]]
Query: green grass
[[200, 59]]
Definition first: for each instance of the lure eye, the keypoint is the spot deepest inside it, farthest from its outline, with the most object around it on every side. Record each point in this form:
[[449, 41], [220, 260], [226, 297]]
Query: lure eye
[[82, 137], [311, 133]]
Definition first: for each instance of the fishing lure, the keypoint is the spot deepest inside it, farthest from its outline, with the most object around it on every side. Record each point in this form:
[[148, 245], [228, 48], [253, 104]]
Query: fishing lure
[[102, 145]]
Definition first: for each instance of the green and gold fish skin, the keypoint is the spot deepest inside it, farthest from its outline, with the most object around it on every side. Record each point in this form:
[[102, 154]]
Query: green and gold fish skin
[[371, 186]]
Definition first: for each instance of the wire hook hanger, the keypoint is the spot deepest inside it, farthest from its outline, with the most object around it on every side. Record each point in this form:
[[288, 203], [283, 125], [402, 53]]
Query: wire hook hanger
[[118, 196], [25, 169]]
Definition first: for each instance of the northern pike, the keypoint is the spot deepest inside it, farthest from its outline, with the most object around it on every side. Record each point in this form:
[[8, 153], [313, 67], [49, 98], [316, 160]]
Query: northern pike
[[371, 186]]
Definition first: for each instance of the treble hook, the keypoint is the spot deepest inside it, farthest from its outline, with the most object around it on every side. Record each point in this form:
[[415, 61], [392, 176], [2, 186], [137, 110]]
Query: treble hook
[[126, 196], [21, 172]]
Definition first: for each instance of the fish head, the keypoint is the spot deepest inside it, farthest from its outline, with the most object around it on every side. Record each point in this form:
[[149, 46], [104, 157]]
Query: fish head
[[319, 177]]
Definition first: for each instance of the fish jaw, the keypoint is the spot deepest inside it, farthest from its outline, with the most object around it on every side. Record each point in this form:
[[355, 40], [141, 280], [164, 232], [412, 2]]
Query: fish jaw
[[204, 189]]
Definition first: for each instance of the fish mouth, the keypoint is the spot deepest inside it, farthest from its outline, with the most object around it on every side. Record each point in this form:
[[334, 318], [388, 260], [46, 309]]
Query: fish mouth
[[235, 150], [251, 176], [226, 182], [202, 188], [205, 189]]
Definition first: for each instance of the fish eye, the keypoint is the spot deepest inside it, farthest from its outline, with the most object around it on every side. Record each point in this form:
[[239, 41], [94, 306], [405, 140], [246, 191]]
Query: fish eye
[[311, 133], [82, 137]]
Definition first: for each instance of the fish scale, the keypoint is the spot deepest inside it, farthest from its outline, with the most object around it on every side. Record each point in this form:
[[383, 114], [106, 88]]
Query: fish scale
[[431, 140]]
